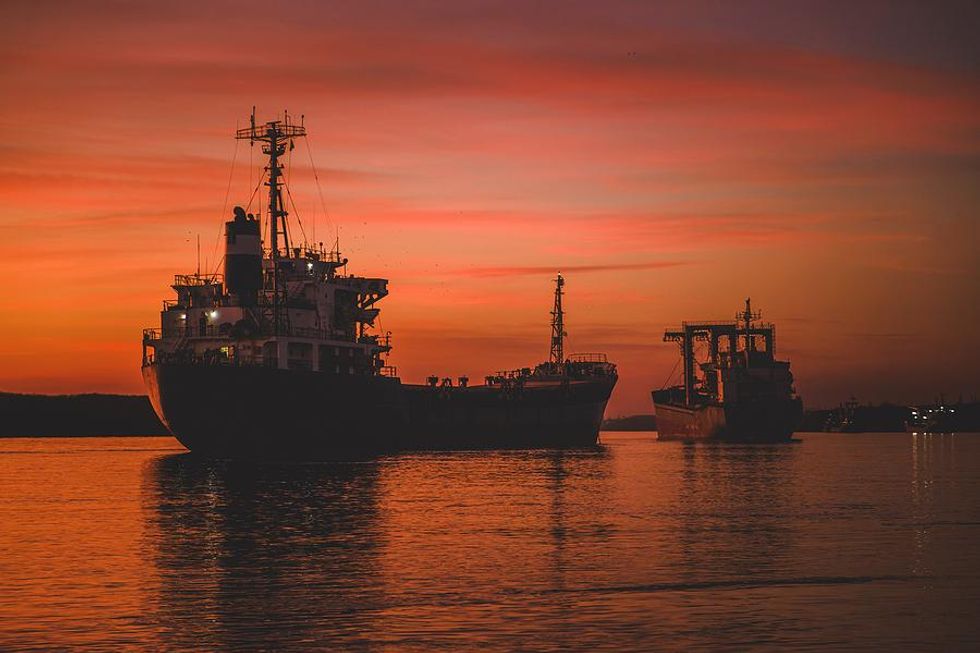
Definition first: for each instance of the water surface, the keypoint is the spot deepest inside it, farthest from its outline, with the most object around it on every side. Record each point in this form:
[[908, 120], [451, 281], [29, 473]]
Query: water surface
[[857, 541]]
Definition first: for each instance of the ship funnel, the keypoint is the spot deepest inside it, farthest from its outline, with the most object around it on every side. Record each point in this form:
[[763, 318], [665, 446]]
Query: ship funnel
[[243, 257]]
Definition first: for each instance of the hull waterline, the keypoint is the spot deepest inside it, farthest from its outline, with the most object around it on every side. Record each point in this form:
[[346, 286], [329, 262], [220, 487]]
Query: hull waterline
[[232, 412], [773, 421]]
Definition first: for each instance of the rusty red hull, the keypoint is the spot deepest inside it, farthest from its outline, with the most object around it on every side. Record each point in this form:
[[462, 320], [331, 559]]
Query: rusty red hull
[[761, 421]]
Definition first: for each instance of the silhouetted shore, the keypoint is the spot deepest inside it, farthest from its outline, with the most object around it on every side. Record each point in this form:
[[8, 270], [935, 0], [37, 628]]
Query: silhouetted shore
[[854, 418], [25, 415], [86, 415], [630, 423]]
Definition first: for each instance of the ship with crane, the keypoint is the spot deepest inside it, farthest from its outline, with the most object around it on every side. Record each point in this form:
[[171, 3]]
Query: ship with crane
[[279, 356], [740, 392]]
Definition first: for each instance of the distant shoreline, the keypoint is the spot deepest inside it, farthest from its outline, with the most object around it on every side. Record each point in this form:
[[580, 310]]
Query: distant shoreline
[[96, 414], [82, 415], [630, 423]]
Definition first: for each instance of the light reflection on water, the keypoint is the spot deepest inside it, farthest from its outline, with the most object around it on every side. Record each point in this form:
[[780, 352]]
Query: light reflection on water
[[863, 541]]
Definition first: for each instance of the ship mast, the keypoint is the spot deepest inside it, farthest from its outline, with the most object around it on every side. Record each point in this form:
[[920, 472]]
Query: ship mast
[[274, 136], [747, 317], [558, 325]]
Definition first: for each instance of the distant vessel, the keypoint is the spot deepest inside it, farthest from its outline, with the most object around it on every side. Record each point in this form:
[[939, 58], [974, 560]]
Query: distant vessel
[[845, 418], [276, 357], [939, 418], [743, 394]]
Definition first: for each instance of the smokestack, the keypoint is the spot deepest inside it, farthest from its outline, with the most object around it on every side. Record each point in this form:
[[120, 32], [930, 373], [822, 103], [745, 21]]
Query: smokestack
[[243, 257]]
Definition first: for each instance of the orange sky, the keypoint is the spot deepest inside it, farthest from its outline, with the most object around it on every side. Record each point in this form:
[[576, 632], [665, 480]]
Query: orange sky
[[669, 160]]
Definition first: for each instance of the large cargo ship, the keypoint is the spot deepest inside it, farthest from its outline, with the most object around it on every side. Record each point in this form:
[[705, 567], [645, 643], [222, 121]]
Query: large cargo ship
[[743, 394], [278, 357]]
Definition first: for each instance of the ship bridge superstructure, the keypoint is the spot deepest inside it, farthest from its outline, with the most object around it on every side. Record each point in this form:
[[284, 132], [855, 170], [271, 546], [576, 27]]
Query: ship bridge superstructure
[[277, 304], [558, 367], [740, 354], [282, 354]]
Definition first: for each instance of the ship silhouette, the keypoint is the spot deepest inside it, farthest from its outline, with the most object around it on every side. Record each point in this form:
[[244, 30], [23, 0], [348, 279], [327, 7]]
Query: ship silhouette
[[743, 394], [279, 356]]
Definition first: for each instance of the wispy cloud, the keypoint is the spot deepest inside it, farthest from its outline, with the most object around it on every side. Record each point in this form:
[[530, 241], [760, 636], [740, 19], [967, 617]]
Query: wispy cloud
[[529, 270], [466, 149]]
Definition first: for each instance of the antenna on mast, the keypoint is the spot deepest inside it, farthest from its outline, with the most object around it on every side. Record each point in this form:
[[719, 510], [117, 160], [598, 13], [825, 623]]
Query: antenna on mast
[[747, 317], [558, 324], [273, 136]]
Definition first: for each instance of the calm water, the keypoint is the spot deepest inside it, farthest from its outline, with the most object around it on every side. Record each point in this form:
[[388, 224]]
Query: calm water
[[852, 541]]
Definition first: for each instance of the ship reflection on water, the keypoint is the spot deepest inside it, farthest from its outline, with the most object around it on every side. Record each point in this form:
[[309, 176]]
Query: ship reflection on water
[[357, 553], [607, 548], [735, 497], [260, 553], [864, 541]]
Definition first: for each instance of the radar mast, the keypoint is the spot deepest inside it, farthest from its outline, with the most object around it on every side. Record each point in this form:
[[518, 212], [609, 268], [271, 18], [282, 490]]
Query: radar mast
[[558, 324], [748, 317], [274, 136]]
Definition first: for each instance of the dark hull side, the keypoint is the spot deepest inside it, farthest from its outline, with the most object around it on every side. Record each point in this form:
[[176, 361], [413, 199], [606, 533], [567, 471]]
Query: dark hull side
[[537, 415], [241, 412], [763, 421]]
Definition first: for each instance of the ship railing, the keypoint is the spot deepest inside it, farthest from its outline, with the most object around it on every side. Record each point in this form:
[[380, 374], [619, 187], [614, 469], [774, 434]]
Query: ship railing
[[189, 331], [210, 357], [513, 374], [308, 332], [330, 334], [585, 370], [283, 130], [212, 302], [216, 331], [588, 358], [218, 356], [723, 323], [333, 256], [194, 331], [197, 279]]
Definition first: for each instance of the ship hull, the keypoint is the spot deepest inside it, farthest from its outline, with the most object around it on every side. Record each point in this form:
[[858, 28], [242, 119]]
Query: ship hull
[[255, 412], [762, 421], [534, 416], [260, 413]]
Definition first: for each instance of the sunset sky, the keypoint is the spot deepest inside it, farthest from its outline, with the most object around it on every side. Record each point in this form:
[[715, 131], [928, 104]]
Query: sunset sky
[[670, 159]]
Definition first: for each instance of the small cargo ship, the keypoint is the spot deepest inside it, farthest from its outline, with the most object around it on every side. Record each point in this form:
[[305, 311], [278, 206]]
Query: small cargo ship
[[942, 417], [743, 394], [278, 357]]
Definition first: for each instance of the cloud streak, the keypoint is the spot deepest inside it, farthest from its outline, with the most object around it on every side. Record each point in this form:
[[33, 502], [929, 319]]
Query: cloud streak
[[668, 157], [535, 270]]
